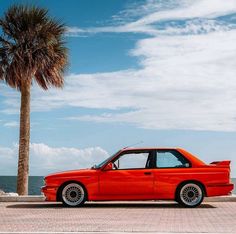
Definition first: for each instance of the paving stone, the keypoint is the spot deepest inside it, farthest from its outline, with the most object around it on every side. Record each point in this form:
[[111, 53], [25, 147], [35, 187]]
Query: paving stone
[[215, 217]]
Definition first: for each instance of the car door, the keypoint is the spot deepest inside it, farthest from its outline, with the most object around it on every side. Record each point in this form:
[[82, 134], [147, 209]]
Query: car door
[[130, 178]]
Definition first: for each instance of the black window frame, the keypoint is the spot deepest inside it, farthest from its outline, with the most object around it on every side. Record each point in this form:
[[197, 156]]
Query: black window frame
[[171, 151]]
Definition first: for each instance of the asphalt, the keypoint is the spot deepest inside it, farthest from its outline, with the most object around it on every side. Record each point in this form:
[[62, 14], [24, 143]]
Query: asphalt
[[118, 217]]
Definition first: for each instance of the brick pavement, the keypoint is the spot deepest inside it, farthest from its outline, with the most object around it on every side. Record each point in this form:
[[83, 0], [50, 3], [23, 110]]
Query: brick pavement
[[217, 217]]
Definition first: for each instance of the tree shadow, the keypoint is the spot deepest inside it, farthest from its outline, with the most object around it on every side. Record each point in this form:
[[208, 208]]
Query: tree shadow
[[110, 205]]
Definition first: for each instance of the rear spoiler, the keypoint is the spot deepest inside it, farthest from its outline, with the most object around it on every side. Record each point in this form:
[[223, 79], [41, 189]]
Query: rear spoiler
[[221, 163]]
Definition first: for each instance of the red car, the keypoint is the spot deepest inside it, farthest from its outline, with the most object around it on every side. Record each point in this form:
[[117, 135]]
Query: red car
[[142, 174]]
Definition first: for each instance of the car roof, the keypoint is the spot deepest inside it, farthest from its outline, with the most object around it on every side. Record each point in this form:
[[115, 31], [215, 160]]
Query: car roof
[[150, 148], [194, 160]]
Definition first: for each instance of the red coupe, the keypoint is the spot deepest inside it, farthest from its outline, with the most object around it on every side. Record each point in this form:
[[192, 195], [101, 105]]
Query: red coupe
[[142, 174]]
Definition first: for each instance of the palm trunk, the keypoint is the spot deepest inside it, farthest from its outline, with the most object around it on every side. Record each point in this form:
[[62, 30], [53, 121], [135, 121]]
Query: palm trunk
[[24, 140]]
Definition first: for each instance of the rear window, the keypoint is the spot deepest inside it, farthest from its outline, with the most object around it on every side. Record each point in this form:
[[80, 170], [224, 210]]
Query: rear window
[[170, 159]]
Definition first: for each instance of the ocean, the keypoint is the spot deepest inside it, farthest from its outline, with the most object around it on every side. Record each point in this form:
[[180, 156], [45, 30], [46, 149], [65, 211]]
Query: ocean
[[8, 184]]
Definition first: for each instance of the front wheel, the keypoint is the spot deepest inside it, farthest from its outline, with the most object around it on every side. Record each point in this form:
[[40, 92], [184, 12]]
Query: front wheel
[[190, 195], [73, 195]]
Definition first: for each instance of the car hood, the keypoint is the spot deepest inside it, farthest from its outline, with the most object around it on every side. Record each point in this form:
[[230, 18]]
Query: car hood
[[71, 173]]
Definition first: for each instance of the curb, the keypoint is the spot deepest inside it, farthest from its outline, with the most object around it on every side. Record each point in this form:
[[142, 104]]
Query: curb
[[231, 198], [30, 198], [41, 198]]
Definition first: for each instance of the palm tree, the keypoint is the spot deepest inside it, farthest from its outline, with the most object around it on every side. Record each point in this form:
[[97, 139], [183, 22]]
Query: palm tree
[[31, 49]]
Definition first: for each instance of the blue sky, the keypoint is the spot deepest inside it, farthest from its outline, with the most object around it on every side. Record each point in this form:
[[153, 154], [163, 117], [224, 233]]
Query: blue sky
[[161, 72]]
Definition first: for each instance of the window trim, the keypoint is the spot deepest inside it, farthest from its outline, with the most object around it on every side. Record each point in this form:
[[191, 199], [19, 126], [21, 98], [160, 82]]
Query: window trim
[[170, 150]]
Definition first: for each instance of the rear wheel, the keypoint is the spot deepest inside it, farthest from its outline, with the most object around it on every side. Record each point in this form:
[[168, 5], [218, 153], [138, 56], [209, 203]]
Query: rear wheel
[[73, 195], [190, 195]]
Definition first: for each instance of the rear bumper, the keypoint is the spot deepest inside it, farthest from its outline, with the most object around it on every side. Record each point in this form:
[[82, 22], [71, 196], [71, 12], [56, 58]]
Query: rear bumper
[[219, 189], [50, 192]]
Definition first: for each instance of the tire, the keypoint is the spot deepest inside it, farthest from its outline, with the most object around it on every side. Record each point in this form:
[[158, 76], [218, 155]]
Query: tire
[[73, 195], [190, 195]]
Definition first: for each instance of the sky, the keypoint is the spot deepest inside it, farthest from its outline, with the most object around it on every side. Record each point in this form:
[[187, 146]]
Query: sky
[[160, 73]]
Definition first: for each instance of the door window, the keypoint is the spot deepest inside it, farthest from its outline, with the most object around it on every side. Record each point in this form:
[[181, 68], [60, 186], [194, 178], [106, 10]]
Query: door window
[[170, 159], [133, 160]]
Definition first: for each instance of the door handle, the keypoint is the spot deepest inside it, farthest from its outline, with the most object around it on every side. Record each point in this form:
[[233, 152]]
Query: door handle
[[147, 173]]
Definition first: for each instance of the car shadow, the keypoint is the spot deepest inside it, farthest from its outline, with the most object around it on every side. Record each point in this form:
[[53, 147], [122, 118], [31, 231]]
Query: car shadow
[[91, 205]]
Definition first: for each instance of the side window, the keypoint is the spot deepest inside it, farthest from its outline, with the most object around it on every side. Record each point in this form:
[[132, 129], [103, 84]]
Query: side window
[[170, 159], [132, 160]]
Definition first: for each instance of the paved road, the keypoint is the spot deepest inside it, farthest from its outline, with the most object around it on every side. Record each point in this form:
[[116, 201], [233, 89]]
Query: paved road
[[215, 217]]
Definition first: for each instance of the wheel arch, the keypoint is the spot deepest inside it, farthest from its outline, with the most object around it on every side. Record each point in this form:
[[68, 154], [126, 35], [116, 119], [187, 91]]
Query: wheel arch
[[58, 197], [190, 181]]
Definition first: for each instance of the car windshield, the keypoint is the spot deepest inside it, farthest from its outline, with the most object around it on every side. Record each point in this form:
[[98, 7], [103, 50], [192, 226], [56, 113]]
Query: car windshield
[[104, 162]]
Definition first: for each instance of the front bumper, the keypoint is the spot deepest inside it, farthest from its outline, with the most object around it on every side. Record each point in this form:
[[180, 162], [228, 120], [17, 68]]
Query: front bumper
[[50, 192], [219, 189]]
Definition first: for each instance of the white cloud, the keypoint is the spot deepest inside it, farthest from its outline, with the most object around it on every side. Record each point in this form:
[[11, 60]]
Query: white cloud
[[75, 31], [7, 153], [11, 124], [45, 159], [154, 13], [187, 82], [189, 9], [64, 158]]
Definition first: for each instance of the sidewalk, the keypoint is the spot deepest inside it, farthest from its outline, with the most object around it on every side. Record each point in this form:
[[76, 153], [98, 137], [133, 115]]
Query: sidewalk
[[210, 217]]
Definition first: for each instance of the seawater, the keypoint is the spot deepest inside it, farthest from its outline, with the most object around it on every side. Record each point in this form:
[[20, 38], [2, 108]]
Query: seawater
[[8, 184]]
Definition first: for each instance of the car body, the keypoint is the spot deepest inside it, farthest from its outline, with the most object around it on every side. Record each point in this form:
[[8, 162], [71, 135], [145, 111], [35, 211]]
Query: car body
[[142, 174]]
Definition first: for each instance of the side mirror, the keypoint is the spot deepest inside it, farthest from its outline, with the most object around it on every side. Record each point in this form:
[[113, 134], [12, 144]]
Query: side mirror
[[187, 165], [108, 167]]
